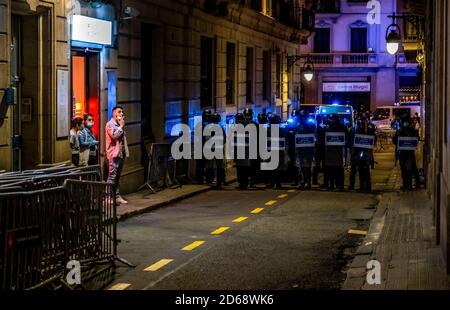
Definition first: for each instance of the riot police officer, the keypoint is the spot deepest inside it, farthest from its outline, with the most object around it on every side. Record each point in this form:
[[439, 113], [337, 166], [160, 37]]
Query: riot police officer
[[215, 168], [407, 158], [254, 163], [243, 165], [264, 176], [361, 157], [334, 154], [319, 165], [280, 147], [292, 127], [305, 152], [200, 163]]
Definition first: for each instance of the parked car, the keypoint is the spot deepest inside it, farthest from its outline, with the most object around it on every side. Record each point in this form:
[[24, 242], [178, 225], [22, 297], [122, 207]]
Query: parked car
[[383, 116]]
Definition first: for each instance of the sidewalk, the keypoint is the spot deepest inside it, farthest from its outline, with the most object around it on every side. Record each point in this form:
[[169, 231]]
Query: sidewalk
[[145, 201], [402, 238]]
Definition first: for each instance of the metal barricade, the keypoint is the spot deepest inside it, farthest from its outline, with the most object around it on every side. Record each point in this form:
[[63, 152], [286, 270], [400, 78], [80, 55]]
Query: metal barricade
[[157, 168], [41, 231], [33, 231], [92, 221]]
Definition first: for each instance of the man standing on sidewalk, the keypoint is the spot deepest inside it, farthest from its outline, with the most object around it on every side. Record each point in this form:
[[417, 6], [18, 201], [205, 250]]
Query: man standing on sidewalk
[[116, 149]]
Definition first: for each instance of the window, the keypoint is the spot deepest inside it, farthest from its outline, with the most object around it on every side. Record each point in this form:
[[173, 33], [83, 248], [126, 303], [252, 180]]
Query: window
[[278, 76], [381, 114], [206, 82], [231, 64], [250, 75], [322, 40], [402, 112], [267, 80], [359, 40]]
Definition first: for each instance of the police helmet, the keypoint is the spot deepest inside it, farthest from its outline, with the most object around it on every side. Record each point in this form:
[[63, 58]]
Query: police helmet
[[206, 116], [240, 118], [303, 114], [262, 118], [216, 118], [248, 114], [274, 119], [406, 121]]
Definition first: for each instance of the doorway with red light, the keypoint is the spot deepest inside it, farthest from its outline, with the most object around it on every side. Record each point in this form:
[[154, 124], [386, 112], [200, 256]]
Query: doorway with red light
[[86, 86]]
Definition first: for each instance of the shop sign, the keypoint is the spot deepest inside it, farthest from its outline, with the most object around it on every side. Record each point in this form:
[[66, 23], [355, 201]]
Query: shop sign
[[91, 30], [346, 87]]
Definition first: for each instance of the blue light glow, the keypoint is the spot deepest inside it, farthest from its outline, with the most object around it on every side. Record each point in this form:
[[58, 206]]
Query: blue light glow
[[311, 120], [290, 121]]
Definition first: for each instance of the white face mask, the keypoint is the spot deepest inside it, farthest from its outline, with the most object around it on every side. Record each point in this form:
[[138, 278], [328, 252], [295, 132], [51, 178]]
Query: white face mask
[[119, 118]]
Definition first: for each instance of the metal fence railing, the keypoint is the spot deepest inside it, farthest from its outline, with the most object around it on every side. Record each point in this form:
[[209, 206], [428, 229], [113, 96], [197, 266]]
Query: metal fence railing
[[51, 219]]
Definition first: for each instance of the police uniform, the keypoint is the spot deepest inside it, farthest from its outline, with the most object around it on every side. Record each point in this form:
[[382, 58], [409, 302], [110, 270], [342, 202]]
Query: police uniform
[[280, 147], [361, 158], [243, 165], [215, 168], [334, 156], [407, 159], [320, 154], [304, 156], [200, 163], [254, 163], [292, 129]]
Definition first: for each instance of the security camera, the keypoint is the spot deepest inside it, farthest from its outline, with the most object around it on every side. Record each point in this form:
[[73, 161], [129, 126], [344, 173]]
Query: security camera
[[130, 12]]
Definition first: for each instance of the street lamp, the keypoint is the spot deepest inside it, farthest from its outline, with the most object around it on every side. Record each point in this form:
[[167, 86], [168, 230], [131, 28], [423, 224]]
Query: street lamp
[[308, 66], [393, 33]]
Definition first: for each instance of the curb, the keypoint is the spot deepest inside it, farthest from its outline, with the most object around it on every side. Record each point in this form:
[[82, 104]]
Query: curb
[[357, 273], [166, 203]]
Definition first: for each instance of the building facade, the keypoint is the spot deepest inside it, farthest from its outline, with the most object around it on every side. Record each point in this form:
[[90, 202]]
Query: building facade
[[437, 102], [163, 61], [351, 59]]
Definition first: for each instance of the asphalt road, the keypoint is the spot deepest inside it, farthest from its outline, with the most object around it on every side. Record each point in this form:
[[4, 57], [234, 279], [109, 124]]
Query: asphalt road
[[299, 242]]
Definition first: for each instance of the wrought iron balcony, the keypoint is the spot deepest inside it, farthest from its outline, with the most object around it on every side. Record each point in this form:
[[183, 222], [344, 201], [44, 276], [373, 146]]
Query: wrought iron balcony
[[344, 60]]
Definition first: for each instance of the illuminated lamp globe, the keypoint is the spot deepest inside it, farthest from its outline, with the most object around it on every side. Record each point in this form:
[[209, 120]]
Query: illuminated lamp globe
[[308, 73], [393, 42]]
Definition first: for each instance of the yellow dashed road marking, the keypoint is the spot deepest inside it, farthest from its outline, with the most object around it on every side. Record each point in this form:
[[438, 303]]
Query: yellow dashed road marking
[[158, 265], [283, 196], [240, 219], [193, 245], [270, 203], [220, 230], [119, 287], [357, 232], [257, 210], [292, 191]]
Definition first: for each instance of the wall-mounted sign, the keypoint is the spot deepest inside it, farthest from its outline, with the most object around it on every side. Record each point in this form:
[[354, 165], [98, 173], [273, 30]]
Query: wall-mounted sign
[[346, 87], [62, 103], [91, 30]]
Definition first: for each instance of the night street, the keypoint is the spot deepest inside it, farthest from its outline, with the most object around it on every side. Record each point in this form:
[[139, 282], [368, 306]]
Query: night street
[[224, 152]]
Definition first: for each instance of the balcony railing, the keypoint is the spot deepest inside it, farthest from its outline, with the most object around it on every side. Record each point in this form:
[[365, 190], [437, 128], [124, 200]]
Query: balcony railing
[[344, 59]]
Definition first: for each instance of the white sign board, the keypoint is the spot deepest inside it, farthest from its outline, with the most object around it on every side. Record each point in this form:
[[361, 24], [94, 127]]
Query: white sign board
[[346, 87], [91, 30], [364, 141], [62, 103], [335, 139]]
